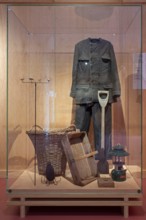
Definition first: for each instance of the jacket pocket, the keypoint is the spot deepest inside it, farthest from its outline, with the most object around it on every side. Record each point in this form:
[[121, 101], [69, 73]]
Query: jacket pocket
[[82, 90], [106, 57], [83, 94], [86, 87], [106, 62], [83, 65], [108, 86]]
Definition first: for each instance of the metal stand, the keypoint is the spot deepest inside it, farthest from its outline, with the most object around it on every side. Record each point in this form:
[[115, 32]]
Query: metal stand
[[32, 81]]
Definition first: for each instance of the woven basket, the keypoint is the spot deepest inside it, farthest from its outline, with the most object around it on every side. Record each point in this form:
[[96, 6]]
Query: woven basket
[[48, 148]]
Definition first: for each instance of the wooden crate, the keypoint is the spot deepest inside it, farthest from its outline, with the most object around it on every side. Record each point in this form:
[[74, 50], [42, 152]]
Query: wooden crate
[[80, 158]]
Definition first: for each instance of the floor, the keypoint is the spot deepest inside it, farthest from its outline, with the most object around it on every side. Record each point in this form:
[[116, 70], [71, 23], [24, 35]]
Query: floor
[[71, 213]]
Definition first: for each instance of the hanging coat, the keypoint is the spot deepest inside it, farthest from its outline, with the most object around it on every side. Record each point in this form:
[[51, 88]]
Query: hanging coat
[[94, 68]]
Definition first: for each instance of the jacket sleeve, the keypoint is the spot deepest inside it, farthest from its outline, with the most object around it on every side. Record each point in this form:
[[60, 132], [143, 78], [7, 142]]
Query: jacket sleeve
[[74, 72], [116, 92]]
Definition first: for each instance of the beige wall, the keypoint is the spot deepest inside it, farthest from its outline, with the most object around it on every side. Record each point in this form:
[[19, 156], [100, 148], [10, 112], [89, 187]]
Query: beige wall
[[60, 87]]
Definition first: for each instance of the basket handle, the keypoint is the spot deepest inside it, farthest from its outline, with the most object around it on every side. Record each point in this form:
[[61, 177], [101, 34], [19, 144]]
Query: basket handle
[[36, 127], [65, 130], [71, 128]]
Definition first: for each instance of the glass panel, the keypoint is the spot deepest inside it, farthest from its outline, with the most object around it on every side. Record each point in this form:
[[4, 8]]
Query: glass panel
[[42, 52]]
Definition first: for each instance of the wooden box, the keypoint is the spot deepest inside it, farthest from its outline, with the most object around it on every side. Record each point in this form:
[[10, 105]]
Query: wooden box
[[80, 158]]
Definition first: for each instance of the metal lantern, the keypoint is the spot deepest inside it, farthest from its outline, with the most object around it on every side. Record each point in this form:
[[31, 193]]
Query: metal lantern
[[118, 154]]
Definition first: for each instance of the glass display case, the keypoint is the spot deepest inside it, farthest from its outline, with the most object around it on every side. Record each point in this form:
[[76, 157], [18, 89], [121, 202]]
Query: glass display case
[[61, 134]]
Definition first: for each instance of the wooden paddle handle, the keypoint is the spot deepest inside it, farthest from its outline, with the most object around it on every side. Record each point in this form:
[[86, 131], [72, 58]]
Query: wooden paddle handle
[[103, 96]]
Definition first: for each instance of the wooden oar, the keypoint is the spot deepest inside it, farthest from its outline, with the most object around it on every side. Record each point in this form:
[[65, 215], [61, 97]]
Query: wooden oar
[[102, 165]]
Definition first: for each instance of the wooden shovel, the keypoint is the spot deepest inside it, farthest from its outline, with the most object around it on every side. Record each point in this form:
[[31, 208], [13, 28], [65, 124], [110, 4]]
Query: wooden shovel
[[102, 165]]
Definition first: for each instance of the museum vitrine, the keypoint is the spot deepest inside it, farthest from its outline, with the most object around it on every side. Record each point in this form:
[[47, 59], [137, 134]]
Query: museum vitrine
[[74, 88]]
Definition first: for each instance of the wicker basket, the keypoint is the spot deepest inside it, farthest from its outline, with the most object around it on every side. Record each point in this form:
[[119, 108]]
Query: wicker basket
[[48, 148]]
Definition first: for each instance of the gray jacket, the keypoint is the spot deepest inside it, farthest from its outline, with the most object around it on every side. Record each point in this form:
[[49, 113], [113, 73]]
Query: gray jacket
[[94, 68]]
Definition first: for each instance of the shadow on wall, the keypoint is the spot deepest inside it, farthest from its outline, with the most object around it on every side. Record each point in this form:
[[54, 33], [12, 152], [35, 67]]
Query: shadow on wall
[[118, 124], [12, 136]]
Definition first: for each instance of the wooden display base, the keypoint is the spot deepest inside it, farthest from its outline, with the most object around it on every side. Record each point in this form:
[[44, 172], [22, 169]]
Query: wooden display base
[[24, 193]]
